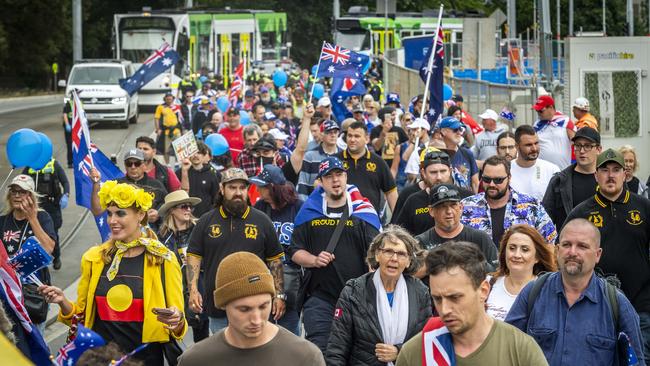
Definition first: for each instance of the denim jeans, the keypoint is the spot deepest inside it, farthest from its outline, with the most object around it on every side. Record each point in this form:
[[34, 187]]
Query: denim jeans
[[217, 324], [289, 321], [644, 320], [317, 317]]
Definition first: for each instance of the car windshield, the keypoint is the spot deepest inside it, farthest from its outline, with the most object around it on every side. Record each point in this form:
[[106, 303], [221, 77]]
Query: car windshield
[[93, 75]]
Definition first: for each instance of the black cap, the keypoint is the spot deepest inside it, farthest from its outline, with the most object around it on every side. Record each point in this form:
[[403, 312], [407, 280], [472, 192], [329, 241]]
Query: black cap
[[443, 193], [267, 142], [587, 133]]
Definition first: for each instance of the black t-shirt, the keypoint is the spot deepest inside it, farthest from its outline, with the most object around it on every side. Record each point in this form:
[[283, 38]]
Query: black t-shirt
[[149, 185], [282, 222], [402, 197], [584, 187], [430, 239], [370, 174], [204, 184], [415, 216], [497, 218], [394, 137], [633, 185], [289, 172], [12, 230], [313, 236], [120, 304], [218, 234]]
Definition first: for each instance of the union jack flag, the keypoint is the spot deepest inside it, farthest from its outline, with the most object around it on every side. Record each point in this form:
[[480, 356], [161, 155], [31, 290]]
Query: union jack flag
[[437, 344], [85, 340], [335, 53], [336, 61], [11, 236], [157, 54], [63, 353], [237, 84]]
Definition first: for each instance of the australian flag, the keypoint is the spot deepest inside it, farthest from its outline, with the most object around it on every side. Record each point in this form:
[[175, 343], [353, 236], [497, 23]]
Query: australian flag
[[159, 61], [30, 258], [85, 340], [341, 89], [433, 67], [336, 61], [437, 344], [85, 156]]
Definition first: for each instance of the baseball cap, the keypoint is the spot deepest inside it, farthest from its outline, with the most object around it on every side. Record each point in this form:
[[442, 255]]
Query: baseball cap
[[420, 123], [271, 174], [357, 109], [610, 155], [450, 122], [232, 111], [587, 133], [264, 89], [490, 114], [457, 98], [329, 164], [581, 103], [329, 125], [241, 274], [134, 154], [249, 93], [266, 142], [269, 116], [24, 181], [543, 101], [435, 157], [393, 98], [324, 102], [277, 134], [232, 174], [443, 193]]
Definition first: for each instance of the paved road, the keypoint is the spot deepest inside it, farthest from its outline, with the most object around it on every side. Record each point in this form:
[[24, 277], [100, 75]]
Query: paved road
[[78, 228]]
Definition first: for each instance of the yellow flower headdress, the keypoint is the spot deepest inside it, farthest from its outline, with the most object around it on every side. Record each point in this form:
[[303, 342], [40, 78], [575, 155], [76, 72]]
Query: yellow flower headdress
[[124, 195]]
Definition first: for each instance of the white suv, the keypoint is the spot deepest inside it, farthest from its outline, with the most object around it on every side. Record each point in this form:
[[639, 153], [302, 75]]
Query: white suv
[[97, 82]]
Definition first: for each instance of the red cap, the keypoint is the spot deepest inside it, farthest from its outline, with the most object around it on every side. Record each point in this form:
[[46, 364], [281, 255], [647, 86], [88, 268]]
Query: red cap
[[543, 102]]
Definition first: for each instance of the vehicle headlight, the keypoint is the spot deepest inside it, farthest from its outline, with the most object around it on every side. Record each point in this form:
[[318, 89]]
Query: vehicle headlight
[[118, 100], [166, 80]]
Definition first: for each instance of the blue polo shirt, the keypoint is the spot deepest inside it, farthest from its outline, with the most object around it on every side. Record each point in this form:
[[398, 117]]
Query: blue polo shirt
[[582, 334]]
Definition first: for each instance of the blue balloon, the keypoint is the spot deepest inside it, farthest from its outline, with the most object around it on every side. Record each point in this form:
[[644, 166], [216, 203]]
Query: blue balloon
[[244, 118], [45, 155], [217, 144], [203, 79], [319, 91], [223, 104], [447, 92], [313, 69], [279, 78], [23, 147]]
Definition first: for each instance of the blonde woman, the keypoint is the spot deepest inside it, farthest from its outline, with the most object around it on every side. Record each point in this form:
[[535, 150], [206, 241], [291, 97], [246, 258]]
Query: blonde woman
[[130, 290], [631, 166]]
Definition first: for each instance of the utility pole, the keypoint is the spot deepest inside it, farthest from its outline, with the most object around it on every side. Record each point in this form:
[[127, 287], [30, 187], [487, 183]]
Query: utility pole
[[558, 39], [629, 13], [570, 29], [604, 17], [546, 48], [512, 19], [77, 42]]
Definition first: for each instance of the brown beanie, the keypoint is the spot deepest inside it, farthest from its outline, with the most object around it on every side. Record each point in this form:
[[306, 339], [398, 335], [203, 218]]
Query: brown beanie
[[239, 275]]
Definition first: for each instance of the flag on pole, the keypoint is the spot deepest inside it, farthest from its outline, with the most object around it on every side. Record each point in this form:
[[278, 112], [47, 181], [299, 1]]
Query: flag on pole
[[341, 89], [160, 60], [86, 339], [237, 84], [336, 61], [30, 258], [433, 67], [85, 156]]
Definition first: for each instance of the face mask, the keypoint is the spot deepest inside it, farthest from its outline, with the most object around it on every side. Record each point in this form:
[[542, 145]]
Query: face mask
[[266, 160]]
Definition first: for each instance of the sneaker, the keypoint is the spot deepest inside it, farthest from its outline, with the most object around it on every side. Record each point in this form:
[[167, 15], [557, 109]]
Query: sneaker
[[56, 263]]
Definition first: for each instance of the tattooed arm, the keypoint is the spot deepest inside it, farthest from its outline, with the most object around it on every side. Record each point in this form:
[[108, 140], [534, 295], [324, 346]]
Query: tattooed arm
[[275, 265], [193, 269]]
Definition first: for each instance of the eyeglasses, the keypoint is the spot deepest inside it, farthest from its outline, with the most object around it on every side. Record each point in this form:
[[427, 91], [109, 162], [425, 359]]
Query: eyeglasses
[[17, 192], [496, 180], [131, 164], [389, 253], [585, 147], [459, 129], [185, 206]]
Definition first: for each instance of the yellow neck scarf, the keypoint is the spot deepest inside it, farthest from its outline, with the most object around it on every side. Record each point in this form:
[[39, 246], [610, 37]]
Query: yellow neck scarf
[[152, 246]]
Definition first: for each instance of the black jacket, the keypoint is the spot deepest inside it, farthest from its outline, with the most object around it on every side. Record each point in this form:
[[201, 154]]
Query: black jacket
[[558, 199], [356, 330]]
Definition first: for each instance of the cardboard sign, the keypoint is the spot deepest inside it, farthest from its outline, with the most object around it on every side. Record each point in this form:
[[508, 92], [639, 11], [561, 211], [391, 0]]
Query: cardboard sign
[[185, 146]]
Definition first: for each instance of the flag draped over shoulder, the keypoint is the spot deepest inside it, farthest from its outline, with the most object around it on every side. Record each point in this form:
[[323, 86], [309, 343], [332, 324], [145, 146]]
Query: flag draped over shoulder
[[85, 156], [160, 60], [316, 206], [437, 345], [436, 83]]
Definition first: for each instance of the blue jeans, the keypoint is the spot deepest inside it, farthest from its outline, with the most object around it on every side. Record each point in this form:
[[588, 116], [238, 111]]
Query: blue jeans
[[289, 321], [317, 317], [644, 320], [217, 324]]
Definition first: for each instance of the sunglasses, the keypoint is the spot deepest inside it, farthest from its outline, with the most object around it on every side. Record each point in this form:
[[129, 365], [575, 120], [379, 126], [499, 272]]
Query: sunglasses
[[185, 206], [489, 180], [131, 164], [436, 155]]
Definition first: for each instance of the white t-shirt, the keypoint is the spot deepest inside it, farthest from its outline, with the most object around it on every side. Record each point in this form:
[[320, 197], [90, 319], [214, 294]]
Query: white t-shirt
[[500, 300], [533, 180]]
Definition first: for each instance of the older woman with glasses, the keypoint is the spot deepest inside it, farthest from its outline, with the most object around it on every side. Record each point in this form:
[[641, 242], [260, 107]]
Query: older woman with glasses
[[379, 311], [523, 254]]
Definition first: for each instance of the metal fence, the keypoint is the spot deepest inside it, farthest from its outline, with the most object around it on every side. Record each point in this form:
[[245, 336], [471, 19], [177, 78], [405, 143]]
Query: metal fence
[[478, 95]]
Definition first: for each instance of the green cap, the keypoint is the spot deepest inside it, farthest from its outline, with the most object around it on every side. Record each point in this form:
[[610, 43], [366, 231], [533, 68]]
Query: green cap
[[610, 155]]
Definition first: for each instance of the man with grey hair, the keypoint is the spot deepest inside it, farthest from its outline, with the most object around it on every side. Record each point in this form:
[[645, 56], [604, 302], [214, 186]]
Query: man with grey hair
[[558, 309]]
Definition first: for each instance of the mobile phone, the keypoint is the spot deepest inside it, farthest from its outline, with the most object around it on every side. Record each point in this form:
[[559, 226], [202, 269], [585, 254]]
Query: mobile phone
[[162, 311]]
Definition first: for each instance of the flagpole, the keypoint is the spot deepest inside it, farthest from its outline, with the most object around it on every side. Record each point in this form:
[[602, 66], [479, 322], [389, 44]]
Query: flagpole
[[430, 65], [311, 93]]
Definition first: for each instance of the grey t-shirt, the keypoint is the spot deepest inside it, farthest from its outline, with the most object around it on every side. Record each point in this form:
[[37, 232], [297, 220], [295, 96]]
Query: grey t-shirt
[[430, 239], [284, 349]]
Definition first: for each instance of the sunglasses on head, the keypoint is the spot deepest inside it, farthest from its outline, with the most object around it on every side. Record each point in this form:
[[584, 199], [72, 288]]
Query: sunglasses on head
[[496, 180], [436, 155], [132, 163], [451, 193]]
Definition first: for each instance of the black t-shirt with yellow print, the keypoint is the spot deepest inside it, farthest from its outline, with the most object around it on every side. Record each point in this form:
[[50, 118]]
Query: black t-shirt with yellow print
[[218, 234], [370, 174]]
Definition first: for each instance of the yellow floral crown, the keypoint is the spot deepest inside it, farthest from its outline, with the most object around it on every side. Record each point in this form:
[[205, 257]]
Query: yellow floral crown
[[124, 195]]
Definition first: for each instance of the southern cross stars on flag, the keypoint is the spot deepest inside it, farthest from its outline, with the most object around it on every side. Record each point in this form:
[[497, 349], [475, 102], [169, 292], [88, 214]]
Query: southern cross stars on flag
[[336, 61], [30, 258], [160, 60], [157, 54], [85, 340]]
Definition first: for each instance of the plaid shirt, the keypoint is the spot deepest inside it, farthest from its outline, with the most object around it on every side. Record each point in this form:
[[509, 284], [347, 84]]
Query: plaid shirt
[[251, 165], [520, 209]]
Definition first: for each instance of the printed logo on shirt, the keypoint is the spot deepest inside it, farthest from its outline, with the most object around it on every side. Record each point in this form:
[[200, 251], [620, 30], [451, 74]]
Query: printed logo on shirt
[[421, 210], [346, 165], [215, 231], [596, 218], [635, 218], [250, 231], [338, 312], [371, 167]]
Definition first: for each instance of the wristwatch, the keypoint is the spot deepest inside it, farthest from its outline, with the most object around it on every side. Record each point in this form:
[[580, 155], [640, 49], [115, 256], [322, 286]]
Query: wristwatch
[[281, 296]]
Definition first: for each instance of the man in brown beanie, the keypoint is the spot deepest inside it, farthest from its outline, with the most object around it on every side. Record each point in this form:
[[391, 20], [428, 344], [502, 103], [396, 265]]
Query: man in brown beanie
[[245, 290]]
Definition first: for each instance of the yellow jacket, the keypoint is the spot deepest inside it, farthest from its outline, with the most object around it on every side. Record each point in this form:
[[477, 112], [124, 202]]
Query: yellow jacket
[[152, 330]]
